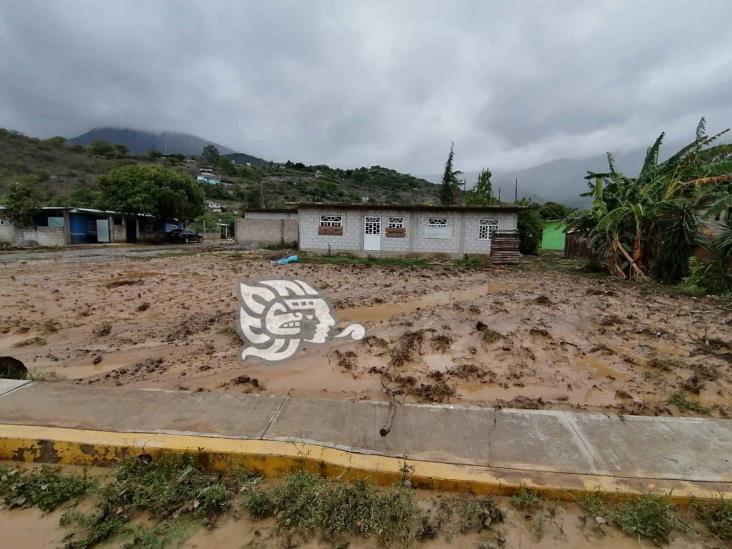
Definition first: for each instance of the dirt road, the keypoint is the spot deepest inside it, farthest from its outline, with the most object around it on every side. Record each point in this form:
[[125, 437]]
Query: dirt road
[[527, 336]]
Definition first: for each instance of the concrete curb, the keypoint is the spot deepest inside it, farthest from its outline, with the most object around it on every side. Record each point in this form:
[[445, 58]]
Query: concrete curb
[[274, 458]]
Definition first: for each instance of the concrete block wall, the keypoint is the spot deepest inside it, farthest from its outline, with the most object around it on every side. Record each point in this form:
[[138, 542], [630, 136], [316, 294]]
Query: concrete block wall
[[351, 240], [448, 244], [45, 236], [259, 231], [270, 215], [119, 232]]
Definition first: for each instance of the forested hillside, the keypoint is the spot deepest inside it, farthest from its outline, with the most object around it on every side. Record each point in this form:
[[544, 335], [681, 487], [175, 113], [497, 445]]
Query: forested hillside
[[68, 174]]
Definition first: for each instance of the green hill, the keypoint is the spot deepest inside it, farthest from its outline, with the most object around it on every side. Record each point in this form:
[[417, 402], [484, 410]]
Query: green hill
[[69, 174]]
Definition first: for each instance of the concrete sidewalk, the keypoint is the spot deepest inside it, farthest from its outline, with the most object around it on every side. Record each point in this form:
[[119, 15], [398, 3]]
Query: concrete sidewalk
[[452, 447]]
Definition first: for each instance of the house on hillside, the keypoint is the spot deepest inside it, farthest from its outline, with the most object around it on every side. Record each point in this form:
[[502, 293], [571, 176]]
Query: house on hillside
[[387, 229], [208, 176]]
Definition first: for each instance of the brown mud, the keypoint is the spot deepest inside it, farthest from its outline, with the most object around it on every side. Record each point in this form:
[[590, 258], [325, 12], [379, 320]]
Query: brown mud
[[516, 337]]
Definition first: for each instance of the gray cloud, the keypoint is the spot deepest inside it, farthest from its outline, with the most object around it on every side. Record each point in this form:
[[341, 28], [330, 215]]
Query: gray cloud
[[383, 82]]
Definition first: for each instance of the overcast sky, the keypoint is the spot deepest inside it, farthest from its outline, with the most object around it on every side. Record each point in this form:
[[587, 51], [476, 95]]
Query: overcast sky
[[512, 83]]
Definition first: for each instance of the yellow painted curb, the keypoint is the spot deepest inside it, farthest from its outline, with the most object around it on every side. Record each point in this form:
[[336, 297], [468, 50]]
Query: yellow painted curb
[[275, 458]]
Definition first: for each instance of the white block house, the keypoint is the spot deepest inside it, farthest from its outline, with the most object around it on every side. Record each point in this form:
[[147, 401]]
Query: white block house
[[380, 229]]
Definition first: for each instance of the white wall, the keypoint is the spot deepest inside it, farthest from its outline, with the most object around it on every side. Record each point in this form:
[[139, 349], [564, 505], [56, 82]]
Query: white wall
[[460, 237], [45, 236]]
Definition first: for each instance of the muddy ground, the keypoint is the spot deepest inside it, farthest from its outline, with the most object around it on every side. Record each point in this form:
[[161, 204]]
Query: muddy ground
[[537, 335]]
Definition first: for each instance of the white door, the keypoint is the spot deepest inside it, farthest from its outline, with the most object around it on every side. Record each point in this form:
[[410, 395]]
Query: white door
[[372, 233], [102, 230]]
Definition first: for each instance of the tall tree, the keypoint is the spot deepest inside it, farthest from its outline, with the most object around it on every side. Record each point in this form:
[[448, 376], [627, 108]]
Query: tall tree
[[152, 190], [482, 193], [450, 184], [21, 201], [211, 155]]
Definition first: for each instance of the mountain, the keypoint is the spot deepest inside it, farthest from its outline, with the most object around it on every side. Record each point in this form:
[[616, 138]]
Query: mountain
[[560, 180], [141, 142]]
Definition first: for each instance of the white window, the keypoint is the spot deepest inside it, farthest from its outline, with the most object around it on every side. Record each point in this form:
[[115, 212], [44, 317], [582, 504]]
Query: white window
[[395, 223], [486, 228], [438, 227], [330, 221]]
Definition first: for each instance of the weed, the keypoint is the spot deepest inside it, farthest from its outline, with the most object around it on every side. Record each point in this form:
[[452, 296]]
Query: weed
[[42, 375], [716, 516], [646, 516], [230, 332], [473, 515], [167, 489], [258, 503], [526, 499], [679, 400], [164, 534], [95, 527], [594, 505], [308, 502], [45, 488], [35, 340], [472, 262]]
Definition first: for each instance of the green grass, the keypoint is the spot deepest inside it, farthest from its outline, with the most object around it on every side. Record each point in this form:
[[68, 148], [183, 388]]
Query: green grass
[[166, 490], [526, 499], [473, 262], [647, 516], [679, 400], [334, 508], [46, 488], [716, 515], [375, 261]]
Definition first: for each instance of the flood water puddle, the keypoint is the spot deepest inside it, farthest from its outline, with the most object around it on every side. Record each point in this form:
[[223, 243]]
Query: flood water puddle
[[385, 311]]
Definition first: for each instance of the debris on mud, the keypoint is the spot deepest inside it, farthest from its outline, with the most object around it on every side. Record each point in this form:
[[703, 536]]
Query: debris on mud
[[471, 371], [346, 360], [194, 324], [104, 329], [247, 380], [432, 392], [664, 364], [523, 403], [441, 343], [124, 282], [408, 344]]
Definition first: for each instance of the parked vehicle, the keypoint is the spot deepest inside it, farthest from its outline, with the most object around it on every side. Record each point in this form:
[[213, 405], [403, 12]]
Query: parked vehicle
[[184, 235]]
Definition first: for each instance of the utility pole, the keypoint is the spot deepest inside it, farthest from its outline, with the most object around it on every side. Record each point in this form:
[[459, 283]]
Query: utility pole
[[515, 192], [499, 195], [261, 196]]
